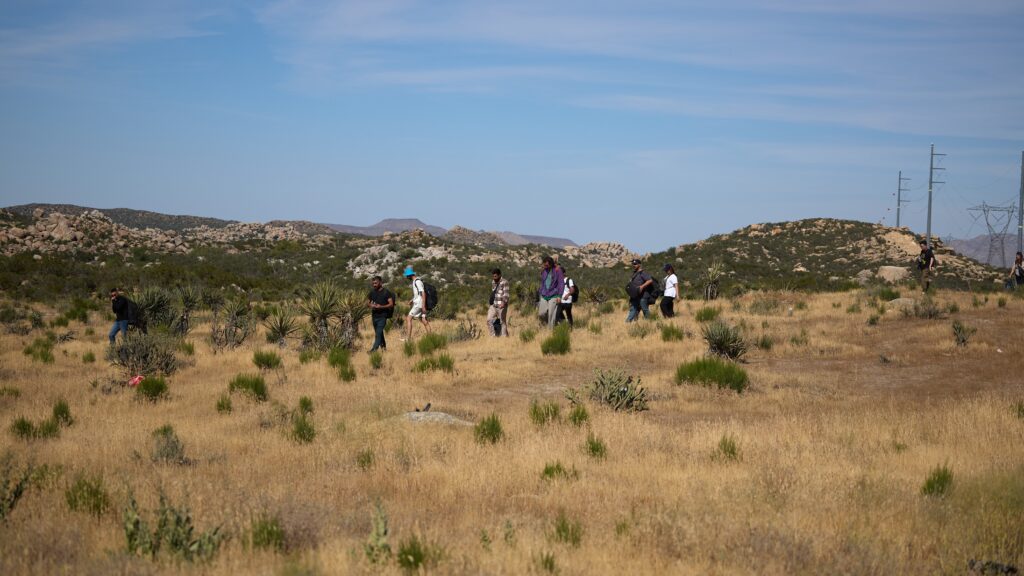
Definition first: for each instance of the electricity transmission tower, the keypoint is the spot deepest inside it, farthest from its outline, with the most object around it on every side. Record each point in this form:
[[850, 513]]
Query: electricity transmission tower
[[997, 219], [931, 180], [899, 198]]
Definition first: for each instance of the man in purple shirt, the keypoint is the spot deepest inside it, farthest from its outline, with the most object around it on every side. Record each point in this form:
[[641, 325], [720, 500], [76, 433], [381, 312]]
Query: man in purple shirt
[[551, 286]]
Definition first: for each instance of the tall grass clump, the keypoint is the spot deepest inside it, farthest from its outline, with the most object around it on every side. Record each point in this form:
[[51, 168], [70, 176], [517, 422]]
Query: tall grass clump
[[488, 430], [267, 533], [89, 357], [441, 362], [416, 554], [616, 390], [542, 413], [167, 447], [266, 360], [527, 335], [87, 494], [555, 471], [251, 385], [376, 360], [713, 371], [303, 430], [567, 530], [672, 333], [558, 342], [41, 349], [224, 404], [595, 447], [962, 333], [938, 483], [175, 533], [341, 359], [578, 416], [724, 340], [707, 314], [728, 448], [428, 343], [640, 330]]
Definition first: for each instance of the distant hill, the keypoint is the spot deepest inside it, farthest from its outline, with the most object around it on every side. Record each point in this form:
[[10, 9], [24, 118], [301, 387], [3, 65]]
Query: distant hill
[[128, 217], [978, 248], [389, 225]]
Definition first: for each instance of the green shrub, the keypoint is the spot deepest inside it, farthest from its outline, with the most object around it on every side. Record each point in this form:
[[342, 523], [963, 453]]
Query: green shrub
[[365, 459], [962, 333], [606, 308], [765, 342], [527, 335], [48, 428], [728, 448], [167, 447], [305, 405], [724, 340], [713, 371], [428, 343], [952, 308], [87, 494], [187, 348], [416, 554], [595, 447], [1018, 409], [341, 359], [765, 304], [578, 415], [88, 358], [23, 428], [558, 342], [939, 482], [568, 531], [409, 348], [555, 471], [544, 413], [41, 350], [9, 392], [926, 308], [303, 431], [308, 355], [267, 533], [488, 430], [800, 339], [146, 354], [672, 333], [173, 534], [887, 294], [545, 562], [707, 314], [13, 485], [252, 385], [1001, 302], [595, 327], [266, 360], [376, 360], [224, 404], [151, 388], [873, 319], [62, 413]]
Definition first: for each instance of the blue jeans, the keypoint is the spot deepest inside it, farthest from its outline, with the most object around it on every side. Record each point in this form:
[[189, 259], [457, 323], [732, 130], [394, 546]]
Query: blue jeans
[[119, 326], [379, 323], [635, 306]]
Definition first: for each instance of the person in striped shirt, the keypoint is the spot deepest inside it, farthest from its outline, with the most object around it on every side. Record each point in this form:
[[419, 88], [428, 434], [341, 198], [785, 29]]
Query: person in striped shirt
[[497, 313]]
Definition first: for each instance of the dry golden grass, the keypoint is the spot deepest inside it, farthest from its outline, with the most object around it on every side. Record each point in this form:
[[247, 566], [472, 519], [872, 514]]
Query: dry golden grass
[[835, 439]]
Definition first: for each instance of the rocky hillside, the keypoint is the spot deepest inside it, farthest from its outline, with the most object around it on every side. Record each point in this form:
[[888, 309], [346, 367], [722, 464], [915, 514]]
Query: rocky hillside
[[819, 253], [127, 217]]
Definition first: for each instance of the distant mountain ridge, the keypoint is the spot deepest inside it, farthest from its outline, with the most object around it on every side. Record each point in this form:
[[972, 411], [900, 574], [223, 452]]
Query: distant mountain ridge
[[978, 248], [128, 216]]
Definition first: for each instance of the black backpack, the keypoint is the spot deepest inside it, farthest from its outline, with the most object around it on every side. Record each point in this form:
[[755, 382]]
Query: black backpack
[[132, 313], [431, 296]]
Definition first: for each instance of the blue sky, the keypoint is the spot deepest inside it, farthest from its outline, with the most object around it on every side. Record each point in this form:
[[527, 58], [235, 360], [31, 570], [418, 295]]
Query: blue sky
[[650, 123]]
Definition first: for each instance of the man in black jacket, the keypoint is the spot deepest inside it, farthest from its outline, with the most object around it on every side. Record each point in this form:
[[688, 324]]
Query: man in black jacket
[[122, 308], [382, 306]]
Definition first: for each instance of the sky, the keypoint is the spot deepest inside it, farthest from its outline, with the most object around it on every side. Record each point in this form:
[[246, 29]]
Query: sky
[[650, 123]]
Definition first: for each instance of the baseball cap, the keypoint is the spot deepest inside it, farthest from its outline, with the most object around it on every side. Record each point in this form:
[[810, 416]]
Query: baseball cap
[[666, 267], [635, 261]]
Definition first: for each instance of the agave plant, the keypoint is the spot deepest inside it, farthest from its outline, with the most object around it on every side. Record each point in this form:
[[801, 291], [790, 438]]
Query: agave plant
[[321, 304], [280, 325], [156, 306], [724, 340], [711, 277], [189, 298]]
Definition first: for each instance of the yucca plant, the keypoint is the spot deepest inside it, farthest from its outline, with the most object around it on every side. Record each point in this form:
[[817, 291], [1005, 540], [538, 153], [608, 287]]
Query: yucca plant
[[189, 298], [280, 325], [724, 340], [232, 324], [595, 294], [321, 304], [711, 277], [352, 309], [156, 306]]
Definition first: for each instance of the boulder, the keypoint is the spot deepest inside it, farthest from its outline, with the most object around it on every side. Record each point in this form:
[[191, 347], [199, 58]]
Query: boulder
[[902, 303], [892, 274]]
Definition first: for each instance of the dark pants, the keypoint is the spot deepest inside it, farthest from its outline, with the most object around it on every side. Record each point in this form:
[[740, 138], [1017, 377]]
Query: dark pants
[[667, 306], [379, 323], [565, 312]]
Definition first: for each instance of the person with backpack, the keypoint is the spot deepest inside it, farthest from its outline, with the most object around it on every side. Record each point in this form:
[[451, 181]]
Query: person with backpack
[[420, 302], [550, 292], [638, 289], [926, 263], [1016, 279], [382, 306], [497, 311], [122, 308], [570, 293], [671, 291]]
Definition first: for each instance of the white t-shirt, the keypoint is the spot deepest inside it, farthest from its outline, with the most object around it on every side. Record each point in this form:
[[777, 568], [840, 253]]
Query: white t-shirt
[[671, 286], [417, 293], [566, 294]]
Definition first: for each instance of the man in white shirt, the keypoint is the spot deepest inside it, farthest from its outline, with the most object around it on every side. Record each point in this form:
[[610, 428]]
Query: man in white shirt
[[671, 292], [419, 303]]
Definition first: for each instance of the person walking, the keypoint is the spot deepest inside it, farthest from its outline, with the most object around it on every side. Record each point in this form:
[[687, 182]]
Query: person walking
[[550, 293], [638, 286], [1016, 279], [671, 292], [418, 303], [926, 263], [569, 293], [382, 307], [497, 312], [122, 308]]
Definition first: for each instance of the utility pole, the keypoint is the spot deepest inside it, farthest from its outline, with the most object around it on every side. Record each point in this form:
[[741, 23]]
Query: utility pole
[[931, 181], [1020, 208], [899, 198]]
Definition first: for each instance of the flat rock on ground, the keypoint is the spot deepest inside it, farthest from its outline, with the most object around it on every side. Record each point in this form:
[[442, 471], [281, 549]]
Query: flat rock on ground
[[435, 418]]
